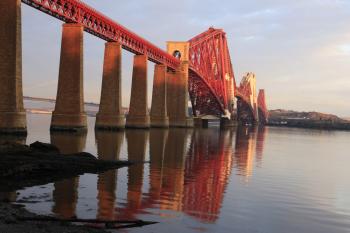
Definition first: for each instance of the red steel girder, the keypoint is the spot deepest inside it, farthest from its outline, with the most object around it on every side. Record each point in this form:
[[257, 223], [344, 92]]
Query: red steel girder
[[209, 59], [204, 102], [95, 23], [262, 108], [245, 111]]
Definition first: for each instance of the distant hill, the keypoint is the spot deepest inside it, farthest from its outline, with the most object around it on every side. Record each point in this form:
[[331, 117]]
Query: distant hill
[[289, 114], [53, 100], [46, 106], [281, 117]]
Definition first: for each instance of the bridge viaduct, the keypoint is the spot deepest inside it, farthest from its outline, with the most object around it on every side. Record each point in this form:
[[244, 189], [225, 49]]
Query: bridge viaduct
[[200, 68]]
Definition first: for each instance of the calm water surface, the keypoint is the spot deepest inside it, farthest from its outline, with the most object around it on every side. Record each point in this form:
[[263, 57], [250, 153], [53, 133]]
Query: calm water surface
[[244, 180]]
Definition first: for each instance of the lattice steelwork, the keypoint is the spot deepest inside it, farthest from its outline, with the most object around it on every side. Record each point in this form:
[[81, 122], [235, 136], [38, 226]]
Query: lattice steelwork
[[211, 83], [212, 86], [246, 113], [262, 108], [75, 11]]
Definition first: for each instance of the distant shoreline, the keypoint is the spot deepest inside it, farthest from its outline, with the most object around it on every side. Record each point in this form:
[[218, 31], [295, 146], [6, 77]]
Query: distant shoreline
[[54, 100], [91, 109], [278, 117], [308, 120], [312, 125]]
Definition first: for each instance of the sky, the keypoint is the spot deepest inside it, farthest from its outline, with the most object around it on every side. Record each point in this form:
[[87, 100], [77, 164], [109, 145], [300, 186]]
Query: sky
[[299, 50]]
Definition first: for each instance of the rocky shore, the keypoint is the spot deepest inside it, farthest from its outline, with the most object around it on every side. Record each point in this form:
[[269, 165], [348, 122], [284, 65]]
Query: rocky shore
[[39, 163], [10, 223]]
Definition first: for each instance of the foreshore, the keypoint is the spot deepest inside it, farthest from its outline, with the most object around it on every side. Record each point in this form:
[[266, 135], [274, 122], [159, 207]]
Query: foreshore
[[25, 166], [10, 223], [40, 163]]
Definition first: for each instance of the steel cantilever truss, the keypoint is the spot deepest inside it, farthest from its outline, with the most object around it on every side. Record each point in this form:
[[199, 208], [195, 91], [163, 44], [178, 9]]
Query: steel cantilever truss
[[212, 85], [262, 108], [211, 79], [245, 111], [75, 11]]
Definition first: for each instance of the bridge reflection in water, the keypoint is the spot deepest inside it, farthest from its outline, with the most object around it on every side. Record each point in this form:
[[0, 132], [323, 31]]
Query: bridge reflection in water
[[108, 148], [65, 194], [11, 196], [188, 171]]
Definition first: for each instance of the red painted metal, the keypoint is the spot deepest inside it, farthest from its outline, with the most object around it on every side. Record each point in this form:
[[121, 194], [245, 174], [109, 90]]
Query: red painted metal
[[211, 83], [75, 11], [262, 108], [246, 113]]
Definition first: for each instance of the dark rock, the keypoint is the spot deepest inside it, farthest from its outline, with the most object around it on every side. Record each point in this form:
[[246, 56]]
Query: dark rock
[[86, 155], [13, 148], [44, 147], [10, 220], [37, 167]]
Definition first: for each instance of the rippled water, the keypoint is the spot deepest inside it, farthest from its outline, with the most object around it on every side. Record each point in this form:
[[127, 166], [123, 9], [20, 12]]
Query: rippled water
[[263, 180]]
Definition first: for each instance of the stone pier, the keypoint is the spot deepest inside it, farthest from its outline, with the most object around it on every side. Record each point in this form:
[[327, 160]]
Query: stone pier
[[12, 113], [177, 100], [159, 112], [138, 116], [110, 115], [69, 112]]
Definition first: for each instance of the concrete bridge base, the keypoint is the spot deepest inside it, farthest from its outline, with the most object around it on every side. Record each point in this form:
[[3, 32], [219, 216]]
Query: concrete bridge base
[[228, 123], [110, 122], [69, 112], [182, 123], [12, 113], [138, 116], [110, 115], [159, 111], [201, 123], [13, 123], [177, 98]]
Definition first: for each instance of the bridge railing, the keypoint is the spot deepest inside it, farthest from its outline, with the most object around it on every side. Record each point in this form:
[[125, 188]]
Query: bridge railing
[[75, 11]]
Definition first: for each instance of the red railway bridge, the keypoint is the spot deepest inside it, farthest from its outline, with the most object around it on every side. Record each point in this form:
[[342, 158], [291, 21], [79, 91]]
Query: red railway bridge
[[199, 69]]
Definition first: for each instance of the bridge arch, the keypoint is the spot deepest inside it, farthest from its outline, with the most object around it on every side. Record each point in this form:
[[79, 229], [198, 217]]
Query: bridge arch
[[203, 98]]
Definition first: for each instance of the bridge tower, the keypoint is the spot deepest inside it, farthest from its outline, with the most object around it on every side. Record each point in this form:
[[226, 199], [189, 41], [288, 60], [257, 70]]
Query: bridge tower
[[262, 108], [177, 89], [247, 106], [12, 113]]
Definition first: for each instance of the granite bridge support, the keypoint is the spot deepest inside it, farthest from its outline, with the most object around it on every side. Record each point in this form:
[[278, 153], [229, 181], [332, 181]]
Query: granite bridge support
[[159, 109], [69, 112], [177, 88], [110, 115], [138, 116], [12, 113]]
